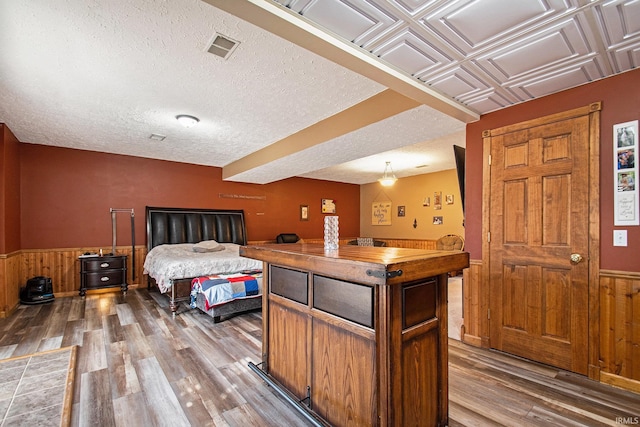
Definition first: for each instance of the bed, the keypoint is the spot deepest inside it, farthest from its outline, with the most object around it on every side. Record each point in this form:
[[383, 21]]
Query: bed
[[186, 246]]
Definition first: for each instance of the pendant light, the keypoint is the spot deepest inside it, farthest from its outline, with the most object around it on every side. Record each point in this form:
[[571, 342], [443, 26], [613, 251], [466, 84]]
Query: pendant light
[[388, 178]]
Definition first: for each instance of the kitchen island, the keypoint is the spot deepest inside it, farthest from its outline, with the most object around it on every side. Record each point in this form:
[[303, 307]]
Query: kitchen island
[[357, 336]]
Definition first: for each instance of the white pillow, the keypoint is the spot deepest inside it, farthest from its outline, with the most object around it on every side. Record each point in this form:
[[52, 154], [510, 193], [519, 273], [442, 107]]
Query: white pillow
[[208, 246]]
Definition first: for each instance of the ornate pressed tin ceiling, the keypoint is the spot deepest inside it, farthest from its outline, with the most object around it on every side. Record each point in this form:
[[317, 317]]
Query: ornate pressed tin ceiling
[[488, 54]]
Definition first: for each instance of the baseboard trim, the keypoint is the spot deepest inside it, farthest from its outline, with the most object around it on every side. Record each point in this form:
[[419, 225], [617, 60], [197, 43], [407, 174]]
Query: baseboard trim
[[620, 382]]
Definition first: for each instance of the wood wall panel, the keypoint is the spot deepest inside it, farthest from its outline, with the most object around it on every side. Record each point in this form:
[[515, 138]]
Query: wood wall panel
[[411, 243], [10, 277], [620, 328], [63, 267], [392, 243], [475, 329]]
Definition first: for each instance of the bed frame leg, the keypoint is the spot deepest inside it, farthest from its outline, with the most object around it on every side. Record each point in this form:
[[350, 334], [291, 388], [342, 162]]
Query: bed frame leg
[[172, 303]]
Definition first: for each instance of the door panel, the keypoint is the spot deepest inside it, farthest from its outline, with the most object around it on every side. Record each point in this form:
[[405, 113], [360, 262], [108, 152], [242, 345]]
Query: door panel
[[539, 216]]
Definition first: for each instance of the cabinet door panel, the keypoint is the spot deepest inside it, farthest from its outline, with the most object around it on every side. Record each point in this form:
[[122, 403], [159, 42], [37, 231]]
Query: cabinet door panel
[[291, 284], [288, 360], [348, 300], [344, 385], [421, 379]]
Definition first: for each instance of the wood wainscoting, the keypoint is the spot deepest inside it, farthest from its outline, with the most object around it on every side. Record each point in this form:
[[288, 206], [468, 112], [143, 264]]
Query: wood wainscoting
[[617, 338], [620, 329], [475, 327], [391, 243], [9, 278], [61, 265]]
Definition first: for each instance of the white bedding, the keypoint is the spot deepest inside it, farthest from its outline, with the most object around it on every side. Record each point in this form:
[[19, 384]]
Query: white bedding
[[167, 262]]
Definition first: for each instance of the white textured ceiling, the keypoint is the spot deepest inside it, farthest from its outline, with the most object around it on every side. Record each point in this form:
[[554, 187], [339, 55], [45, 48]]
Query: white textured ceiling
[[104, 75]]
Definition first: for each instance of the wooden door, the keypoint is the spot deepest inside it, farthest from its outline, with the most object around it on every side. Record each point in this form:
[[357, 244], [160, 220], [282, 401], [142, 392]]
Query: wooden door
[[539, 218]]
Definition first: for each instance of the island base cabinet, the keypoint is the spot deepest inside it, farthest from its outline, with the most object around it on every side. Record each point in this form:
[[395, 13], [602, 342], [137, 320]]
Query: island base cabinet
[[358, 338], [330, 363]]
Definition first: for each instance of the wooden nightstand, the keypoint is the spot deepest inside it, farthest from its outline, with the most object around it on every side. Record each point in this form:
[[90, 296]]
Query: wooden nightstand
[[97, 272]]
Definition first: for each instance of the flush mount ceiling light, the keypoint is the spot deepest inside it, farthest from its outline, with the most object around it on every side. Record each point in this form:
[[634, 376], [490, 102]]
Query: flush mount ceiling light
[[388, 178], [187, 121]]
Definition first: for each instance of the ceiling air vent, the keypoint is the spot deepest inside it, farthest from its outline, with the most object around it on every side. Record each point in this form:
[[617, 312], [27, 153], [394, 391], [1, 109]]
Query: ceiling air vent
[[222, 46]]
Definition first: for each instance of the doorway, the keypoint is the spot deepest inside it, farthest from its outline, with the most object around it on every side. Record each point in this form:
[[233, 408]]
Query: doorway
[[540, 249]]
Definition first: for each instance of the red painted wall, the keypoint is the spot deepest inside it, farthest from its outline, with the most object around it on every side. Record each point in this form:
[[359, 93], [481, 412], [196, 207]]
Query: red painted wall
[[9, 191], [67, 194], [620, 96]]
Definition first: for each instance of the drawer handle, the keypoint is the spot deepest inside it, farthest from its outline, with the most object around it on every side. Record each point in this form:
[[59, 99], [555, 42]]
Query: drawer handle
[[104, 265], [104, 279]]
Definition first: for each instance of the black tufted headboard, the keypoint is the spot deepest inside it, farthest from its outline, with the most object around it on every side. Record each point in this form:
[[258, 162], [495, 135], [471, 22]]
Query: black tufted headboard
[[177, 225]]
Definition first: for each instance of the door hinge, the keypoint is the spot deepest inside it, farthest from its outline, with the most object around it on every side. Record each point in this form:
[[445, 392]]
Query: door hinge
[[489, 237], [489, 159], [489, 313]]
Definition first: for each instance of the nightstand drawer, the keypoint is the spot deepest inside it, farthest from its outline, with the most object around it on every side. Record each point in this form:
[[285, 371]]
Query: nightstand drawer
[[103, 263], [105, 278]]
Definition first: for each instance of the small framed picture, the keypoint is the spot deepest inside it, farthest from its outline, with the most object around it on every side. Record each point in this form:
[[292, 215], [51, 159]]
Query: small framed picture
[[437, 220], [625, 134], [304, 212], [401, 211], [328, 206], [626, 194], [448, 199], [437, 200]]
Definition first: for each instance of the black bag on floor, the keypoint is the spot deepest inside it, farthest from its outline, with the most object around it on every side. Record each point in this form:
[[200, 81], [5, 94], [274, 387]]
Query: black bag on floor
[[38, 290]]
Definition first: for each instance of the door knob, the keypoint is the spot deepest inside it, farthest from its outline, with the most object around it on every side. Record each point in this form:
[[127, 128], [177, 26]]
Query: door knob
[[576, 258]]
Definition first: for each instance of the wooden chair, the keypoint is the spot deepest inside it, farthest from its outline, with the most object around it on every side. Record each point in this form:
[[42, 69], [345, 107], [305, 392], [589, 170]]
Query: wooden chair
[[451, 242]]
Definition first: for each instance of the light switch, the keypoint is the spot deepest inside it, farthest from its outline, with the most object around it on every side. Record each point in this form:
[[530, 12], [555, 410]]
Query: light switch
[[619, 237]]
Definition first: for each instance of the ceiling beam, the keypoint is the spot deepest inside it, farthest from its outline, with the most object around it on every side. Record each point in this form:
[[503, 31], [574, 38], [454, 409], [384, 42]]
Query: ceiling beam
[[281, 21], [374, 109]]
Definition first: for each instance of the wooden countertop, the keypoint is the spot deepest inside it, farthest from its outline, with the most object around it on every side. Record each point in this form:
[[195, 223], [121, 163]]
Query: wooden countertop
[[371, 265]]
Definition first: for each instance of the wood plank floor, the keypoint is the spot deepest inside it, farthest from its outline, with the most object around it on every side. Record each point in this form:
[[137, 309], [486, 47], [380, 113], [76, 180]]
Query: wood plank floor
[[138, 366]]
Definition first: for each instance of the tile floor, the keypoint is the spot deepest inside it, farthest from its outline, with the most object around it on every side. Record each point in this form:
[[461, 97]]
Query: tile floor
[[32, 388]]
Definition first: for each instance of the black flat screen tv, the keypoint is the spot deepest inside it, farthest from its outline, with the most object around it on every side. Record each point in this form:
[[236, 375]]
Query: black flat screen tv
[[459, 153]]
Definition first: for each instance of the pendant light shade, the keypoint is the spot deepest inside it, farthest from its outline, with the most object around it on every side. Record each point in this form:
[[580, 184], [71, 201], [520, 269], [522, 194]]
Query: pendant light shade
[[388, 178]]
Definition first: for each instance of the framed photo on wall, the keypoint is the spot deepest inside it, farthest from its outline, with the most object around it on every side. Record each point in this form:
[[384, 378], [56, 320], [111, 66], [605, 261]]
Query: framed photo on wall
[[625, 174], [304, 212], [328, 206], [437, 200]]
